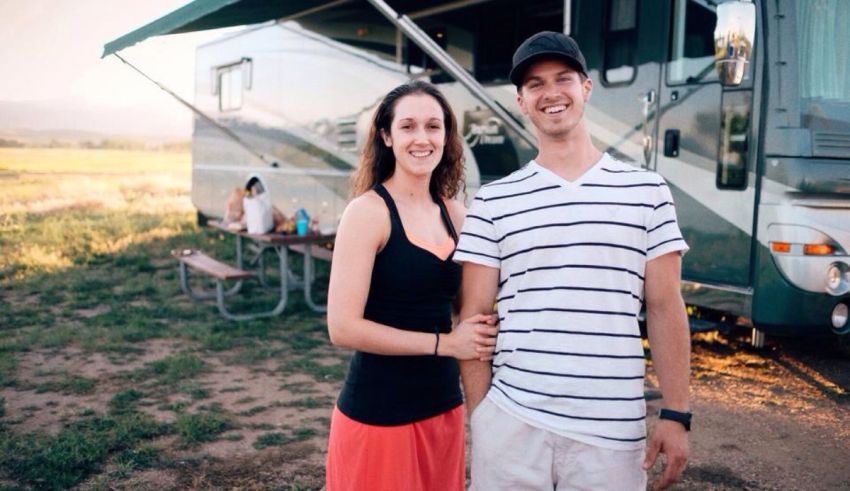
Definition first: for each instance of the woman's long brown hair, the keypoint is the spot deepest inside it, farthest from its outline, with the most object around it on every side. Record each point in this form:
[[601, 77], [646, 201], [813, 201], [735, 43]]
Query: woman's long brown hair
[[377, 161]]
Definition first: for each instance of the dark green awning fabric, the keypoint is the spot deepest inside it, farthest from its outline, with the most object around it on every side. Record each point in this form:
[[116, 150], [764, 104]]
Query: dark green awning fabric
[[201, 15]]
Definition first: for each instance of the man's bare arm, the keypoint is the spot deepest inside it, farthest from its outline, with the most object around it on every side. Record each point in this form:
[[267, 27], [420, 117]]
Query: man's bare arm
[[478, 295], [667, 326], [670, 342]]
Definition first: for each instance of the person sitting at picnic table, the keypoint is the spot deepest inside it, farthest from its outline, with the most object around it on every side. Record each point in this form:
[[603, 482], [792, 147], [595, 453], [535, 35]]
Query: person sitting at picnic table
[[398, 422]]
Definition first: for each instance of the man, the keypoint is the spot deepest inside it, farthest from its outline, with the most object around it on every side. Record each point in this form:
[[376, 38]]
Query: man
[[569, 247]]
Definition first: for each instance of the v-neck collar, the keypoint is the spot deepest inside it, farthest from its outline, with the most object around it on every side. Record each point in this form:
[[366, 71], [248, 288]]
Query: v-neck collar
[[556, 179]]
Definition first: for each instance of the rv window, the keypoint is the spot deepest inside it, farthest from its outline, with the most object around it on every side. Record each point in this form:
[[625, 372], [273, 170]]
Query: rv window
[[692, 43], [482, 36], [620, 42], [502, 25], [230, 87], [824, 65], [734, 140]]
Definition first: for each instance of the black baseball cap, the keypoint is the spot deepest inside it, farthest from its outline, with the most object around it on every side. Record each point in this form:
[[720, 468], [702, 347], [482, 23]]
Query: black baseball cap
[[546, 44]]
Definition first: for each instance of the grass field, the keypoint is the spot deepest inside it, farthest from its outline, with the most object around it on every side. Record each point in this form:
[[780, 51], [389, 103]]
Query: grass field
[[109, 377]]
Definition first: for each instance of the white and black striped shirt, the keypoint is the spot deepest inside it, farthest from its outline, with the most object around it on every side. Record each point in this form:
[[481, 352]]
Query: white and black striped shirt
[[571, 259]]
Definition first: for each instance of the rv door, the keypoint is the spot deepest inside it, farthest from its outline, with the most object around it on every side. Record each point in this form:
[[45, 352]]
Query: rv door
[[623, 43], [707, 159]]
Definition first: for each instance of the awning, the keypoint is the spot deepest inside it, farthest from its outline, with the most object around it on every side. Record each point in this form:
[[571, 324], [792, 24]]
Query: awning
[[201, 15]]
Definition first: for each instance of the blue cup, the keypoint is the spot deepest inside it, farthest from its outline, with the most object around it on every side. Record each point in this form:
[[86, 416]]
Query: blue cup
[[301, 227]]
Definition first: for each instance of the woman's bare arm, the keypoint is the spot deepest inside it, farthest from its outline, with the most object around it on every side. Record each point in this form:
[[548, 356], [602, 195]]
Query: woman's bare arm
[[362, 232]]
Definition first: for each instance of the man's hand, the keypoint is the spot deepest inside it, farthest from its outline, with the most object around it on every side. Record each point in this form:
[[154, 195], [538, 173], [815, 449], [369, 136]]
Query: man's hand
[[671, 439]]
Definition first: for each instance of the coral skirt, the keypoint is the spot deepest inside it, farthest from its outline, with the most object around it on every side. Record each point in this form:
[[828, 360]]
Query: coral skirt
[[422, 456]]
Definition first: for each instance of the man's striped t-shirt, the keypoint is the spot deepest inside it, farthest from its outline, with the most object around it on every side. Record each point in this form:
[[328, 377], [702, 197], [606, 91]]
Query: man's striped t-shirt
[[571, 259]]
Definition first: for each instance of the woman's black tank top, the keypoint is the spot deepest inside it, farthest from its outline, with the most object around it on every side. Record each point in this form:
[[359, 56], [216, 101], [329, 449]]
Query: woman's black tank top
[[411, 289]]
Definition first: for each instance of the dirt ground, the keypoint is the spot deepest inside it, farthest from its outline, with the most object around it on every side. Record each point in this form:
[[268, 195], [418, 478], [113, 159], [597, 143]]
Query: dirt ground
[[775, 419]]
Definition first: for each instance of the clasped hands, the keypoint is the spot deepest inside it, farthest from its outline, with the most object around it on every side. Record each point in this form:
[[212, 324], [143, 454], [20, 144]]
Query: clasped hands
[[474, 338]]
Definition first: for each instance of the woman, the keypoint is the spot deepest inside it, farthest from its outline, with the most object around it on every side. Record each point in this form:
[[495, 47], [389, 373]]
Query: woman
[[398, 424]]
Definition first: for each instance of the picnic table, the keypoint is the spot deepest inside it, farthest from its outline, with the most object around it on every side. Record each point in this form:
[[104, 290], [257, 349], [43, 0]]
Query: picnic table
[[309, 247]]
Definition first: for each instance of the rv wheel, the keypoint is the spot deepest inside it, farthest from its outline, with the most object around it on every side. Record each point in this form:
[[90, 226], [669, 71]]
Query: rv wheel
[[202, 219]]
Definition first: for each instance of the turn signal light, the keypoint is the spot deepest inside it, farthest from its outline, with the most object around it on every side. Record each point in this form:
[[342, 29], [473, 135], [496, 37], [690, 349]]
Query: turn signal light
[[780, 246], [818, 250]]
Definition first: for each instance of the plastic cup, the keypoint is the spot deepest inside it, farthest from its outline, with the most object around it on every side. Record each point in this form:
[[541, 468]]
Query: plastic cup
[[301, 227]]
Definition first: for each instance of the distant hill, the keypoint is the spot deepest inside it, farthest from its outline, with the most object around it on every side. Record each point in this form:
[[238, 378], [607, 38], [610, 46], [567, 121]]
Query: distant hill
[[39, 136], [45, 120], [29, 137]]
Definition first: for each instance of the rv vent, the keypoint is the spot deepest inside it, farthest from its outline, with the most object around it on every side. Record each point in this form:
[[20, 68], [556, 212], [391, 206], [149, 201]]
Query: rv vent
[[346, 133], [831, 144]]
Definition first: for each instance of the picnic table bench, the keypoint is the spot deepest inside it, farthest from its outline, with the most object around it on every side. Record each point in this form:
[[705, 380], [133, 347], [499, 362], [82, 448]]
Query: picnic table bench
[[217, 269], [310, 247], [318, 252]]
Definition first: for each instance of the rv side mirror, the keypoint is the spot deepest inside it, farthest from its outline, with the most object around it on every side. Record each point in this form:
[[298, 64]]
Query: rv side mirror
[[733, 40]]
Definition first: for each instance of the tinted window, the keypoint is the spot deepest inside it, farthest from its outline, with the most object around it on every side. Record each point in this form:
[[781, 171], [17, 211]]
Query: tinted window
[[692, 43], [734, 140], [823, 50], [483, 37], [620, 41]]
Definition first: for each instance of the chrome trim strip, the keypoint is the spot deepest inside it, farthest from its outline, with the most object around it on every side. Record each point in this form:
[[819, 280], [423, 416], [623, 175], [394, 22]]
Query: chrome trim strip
[[821, 203], [695, 285]]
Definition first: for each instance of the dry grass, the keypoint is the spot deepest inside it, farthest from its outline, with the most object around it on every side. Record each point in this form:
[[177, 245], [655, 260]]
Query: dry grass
[[61, 206], [109, 377], [93, 162]]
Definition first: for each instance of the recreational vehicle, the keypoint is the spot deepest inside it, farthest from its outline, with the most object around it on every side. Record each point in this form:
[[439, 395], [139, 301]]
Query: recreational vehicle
[[742, 106]]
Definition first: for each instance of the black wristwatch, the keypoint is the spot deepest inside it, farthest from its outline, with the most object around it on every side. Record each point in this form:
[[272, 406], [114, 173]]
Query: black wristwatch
[[677, 416]]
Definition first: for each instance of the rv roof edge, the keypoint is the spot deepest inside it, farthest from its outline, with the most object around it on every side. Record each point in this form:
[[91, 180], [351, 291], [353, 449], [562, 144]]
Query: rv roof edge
[[202, 15]]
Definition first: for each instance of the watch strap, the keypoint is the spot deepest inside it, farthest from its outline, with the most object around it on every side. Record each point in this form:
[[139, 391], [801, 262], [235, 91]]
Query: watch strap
[[684, 418]]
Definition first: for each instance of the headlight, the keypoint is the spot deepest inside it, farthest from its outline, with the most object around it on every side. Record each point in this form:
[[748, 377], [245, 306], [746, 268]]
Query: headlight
[[833, 277], [839, 317], [837, 282]]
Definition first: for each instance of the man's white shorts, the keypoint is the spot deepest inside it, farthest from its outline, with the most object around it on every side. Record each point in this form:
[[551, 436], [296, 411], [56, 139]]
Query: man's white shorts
[[508, 454]]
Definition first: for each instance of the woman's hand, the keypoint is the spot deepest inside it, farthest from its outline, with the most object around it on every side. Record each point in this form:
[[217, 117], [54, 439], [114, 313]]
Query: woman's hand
[[472, 339]]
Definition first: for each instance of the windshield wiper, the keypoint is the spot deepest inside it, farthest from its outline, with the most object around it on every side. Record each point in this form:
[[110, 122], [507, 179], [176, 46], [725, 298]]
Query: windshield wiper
[[692, 79]]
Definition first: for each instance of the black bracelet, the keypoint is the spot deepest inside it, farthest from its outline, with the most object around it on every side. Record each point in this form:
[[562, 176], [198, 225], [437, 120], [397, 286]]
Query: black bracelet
[[437, 343], [684, 418]]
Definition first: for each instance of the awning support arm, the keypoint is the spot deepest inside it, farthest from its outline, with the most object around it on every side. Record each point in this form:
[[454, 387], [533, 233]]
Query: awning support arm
[[447, 63], [230, 134]]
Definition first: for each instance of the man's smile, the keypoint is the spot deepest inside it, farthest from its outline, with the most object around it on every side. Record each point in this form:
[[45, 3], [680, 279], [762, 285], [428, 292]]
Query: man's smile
[[555, 109]]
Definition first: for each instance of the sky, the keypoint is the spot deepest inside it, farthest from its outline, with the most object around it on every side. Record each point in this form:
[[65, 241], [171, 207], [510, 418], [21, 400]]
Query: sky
[[50, 60]]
